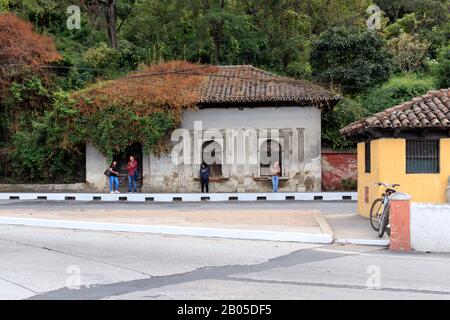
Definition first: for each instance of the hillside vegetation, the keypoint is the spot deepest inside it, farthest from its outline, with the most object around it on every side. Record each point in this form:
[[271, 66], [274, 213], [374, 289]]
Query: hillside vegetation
[[50, 71]]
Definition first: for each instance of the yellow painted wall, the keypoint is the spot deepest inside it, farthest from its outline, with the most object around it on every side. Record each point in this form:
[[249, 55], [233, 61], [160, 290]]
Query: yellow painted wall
[[388, 165]]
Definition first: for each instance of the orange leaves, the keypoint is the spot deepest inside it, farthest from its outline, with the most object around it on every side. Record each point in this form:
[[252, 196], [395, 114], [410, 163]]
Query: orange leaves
[[170, 87], [22, 50], [20, 45], [143, 107]]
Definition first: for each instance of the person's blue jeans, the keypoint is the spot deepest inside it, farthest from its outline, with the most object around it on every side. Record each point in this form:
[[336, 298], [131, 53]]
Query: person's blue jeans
[[131, 183], [275, 183], [113, 181]]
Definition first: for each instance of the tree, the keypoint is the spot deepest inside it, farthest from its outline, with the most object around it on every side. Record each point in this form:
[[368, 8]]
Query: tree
[[21, 46], [352, 59], [24, 54], [408, 52], [442, 70]]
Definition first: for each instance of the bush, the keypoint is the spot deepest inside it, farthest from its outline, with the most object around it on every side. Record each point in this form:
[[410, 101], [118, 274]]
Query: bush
[[408, 23], [349, 184], [408, 52], [442, 69], [399, 89], [37, 157]]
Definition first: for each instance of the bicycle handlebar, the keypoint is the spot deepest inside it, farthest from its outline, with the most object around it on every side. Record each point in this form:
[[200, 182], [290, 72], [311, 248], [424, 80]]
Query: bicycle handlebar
[[387, 185]]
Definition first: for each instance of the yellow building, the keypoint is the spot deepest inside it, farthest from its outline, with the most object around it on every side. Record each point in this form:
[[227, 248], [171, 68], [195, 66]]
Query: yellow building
[[408, 144]]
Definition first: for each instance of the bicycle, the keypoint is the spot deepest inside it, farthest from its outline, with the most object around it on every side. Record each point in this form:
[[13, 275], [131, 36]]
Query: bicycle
[[379, 212]]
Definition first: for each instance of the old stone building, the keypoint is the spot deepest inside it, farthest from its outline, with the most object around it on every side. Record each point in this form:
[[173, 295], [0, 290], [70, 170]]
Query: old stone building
[[246, 119]]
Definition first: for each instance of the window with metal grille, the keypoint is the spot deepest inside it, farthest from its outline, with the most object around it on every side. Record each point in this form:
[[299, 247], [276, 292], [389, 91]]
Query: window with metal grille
[[367, 156], [422, 156]]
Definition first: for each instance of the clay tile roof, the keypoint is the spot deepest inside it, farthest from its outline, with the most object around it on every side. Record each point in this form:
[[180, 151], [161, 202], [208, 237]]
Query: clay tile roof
[[245, 83], [431, 110]]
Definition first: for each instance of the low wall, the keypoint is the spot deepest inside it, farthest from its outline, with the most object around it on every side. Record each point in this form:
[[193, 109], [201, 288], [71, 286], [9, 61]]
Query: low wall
[[337, 166], [430, 227]]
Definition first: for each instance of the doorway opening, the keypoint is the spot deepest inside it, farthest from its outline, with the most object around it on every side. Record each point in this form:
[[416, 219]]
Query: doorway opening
[[122, 159]]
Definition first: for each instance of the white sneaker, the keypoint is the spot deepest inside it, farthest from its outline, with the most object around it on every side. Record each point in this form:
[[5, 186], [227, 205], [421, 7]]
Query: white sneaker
[[116, 192], [112, 192]]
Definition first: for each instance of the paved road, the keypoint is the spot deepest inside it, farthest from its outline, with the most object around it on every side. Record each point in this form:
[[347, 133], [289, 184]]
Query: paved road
[[326, 207], [39, 263]]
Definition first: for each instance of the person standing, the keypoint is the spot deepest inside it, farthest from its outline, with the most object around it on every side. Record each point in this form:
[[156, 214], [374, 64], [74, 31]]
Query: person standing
[[204, 177], [132, 174], [113, 177], [276, 171]]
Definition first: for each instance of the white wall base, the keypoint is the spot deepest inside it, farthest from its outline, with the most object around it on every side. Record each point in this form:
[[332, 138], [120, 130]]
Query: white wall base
[[430, 227]]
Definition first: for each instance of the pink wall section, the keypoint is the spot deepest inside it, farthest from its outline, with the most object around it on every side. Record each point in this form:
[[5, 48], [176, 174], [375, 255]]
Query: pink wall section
[[337, 166]]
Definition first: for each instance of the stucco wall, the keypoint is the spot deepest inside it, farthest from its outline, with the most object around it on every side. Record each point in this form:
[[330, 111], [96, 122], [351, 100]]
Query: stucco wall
[[308, 118], [300, 175], [388, 165], [301, 168], [430, 227], [96, 164]]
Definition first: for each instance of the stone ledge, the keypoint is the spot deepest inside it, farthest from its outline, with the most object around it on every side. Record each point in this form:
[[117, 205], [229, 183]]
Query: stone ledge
[[268, 178]]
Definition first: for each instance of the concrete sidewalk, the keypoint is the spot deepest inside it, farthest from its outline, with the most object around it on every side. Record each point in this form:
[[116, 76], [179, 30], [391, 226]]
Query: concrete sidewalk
[[306, 226], [287, 221], [353, 228]]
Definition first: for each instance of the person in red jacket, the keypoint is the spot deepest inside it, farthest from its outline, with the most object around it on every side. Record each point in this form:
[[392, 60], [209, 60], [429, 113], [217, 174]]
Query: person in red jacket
[[132, 174]]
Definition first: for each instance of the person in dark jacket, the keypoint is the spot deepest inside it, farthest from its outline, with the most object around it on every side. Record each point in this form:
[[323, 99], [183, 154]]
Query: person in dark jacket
[[204, 177], [113, 177]]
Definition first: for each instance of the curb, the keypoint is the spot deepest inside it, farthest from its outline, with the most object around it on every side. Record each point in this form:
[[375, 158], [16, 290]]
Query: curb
[[182, 197], [364, 242], [173, 230]]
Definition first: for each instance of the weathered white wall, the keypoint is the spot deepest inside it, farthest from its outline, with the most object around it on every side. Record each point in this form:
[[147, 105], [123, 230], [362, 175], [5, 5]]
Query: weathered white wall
[[96, 164], [304, 174], [430, 227], [308, 118], [162, 175]]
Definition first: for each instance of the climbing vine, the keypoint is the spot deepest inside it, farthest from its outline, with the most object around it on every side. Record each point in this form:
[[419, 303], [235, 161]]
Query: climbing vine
[[142, 107]]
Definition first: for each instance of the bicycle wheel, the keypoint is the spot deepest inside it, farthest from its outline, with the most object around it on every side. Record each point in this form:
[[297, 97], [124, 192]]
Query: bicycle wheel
[[375, 213], [384, 221]]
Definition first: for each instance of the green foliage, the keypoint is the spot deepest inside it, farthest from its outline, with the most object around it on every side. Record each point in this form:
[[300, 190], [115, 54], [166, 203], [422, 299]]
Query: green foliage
[[48, 151], [353, 59], [397, 90], [346, 112], [31, 87], [51, 149], [408, 23], [327, 40], [442, 69], [4, 5], [113, 129], [349, 184], [408, 52], [431, 12]]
